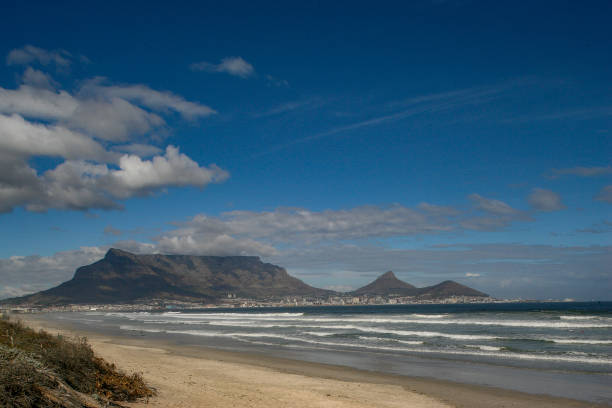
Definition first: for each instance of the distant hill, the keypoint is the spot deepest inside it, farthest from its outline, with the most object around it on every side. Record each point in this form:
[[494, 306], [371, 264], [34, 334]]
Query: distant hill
[[388, 284], [449, 288], [125, 277]]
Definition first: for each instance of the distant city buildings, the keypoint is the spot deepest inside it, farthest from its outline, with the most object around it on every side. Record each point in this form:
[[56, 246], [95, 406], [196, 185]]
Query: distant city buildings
[[232, 301]]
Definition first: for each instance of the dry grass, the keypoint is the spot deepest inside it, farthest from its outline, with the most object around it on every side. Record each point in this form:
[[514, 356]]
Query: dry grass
[[31, 361]]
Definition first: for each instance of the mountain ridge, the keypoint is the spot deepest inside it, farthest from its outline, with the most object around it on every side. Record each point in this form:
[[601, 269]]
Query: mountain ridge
[[388, 284], [124, 277]]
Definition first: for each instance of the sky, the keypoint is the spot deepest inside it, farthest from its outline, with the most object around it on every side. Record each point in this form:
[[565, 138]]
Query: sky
[[464, 140]]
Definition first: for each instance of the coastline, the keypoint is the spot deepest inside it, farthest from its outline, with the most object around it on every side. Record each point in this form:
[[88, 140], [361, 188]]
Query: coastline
[[191, 376]]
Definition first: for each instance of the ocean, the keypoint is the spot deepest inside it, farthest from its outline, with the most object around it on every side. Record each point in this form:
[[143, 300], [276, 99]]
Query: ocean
[[561, 349]]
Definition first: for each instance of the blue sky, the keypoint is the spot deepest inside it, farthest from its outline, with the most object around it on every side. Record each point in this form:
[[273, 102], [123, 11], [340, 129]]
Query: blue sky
[[459, 140]]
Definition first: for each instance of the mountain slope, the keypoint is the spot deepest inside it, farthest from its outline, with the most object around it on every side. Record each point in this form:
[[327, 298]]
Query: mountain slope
[[449, 288], [124, 277], [387, 284]]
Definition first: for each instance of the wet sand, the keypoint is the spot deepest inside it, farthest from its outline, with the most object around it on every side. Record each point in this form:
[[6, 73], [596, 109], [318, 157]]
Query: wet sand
[[189, 376]]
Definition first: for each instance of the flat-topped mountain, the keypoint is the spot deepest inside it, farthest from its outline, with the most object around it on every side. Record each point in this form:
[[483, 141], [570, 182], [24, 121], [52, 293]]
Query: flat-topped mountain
[[388, 284], [125, 277]]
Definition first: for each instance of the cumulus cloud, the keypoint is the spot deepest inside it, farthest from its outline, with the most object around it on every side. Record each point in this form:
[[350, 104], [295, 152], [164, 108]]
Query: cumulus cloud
[[605, 194], [80, 185], [581, 171], [30, 54], [24, 139], [173, 169], [235, 66], [108, 112], [102, 134], [545, 200], [38, 103]]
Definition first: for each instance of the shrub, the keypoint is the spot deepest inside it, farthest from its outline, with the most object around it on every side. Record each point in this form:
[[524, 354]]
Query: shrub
[[71, 360], [21, 379]]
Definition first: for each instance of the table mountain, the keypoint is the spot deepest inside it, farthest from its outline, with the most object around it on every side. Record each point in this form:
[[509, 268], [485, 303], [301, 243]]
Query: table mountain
[[125, 277]]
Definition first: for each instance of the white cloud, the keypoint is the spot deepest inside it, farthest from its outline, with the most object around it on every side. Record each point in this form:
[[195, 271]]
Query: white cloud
[[492, 206], [30, 54], [201, 244], [114, 119], [24, 139], [288, 224], [34, 102], [494, 214], [173, 169], [108, 112], [545, 200], [472, 275], [235, 66], [439, 210], [145, 96], [38, 79], [80, 185], [82, 128]]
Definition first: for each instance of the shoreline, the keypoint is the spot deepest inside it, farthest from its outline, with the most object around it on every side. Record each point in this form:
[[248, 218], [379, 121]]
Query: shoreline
[[192, 375]]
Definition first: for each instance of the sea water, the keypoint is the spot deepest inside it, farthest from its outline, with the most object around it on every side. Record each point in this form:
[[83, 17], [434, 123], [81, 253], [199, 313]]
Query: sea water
[[562, 349]]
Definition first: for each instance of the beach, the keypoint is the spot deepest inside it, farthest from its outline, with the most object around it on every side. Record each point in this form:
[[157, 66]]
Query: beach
[[188, 376]]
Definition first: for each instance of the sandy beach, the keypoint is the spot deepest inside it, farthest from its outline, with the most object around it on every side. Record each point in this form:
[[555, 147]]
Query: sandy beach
[[196, 376]]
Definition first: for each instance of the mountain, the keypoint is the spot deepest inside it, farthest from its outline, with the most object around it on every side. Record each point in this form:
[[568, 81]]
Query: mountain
[[125, 277], [449, 288], [387, 284]]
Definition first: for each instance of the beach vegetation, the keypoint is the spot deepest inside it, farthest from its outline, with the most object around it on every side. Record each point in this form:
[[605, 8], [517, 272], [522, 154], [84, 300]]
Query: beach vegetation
[[38, 369]]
